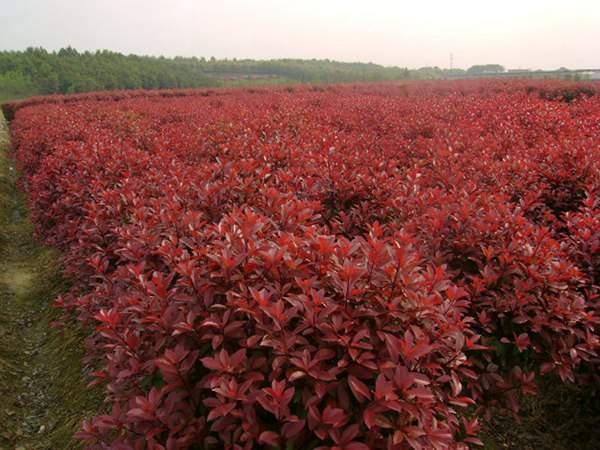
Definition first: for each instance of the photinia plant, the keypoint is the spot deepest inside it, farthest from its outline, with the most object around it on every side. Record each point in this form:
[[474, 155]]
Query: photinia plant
[[350, 267]]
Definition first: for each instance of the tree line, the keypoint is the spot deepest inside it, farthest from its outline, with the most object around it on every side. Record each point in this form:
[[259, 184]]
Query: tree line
[[36, 71]]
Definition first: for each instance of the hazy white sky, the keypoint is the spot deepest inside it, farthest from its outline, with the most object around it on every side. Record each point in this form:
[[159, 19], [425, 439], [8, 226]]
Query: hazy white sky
[[515, 33]]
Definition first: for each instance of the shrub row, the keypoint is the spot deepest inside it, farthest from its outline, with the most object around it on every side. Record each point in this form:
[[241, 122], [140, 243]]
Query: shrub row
[[349, 268]]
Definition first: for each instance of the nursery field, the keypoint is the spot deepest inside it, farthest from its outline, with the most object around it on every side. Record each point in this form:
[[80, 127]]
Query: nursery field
[[385, 266]]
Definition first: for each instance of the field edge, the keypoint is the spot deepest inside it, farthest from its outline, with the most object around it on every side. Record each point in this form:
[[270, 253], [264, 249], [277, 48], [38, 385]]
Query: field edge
[[42, 377]]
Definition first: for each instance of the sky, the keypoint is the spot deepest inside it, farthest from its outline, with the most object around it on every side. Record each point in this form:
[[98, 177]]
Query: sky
[[534, 34]]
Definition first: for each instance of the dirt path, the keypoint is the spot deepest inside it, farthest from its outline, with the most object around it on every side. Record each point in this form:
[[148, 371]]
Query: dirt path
[[42, 382]]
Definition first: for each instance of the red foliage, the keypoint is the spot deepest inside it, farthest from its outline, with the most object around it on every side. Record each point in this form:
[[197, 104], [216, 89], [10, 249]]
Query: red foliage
[[344, 268]]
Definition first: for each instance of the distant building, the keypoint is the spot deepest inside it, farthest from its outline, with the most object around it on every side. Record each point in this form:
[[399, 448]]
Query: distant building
[[595, 76]]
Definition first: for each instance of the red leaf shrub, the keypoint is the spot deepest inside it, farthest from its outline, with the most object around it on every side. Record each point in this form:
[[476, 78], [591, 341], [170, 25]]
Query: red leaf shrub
[[348, 268]]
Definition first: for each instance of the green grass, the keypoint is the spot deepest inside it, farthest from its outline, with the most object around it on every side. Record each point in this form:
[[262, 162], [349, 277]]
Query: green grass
[[6, 97]]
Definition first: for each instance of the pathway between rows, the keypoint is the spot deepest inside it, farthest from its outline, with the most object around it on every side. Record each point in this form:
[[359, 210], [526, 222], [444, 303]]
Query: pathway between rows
[[43, 397]]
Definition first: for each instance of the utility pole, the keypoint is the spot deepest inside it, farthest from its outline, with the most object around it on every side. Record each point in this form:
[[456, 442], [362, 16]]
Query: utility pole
[[451, 61]]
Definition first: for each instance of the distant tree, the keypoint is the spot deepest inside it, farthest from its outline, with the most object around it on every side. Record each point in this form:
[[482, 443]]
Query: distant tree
[[427, 73], [453, 73], [483, 69]]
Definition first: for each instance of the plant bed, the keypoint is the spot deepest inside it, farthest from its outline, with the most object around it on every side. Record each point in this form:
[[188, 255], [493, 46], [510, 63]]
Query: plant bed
[[350, 267]]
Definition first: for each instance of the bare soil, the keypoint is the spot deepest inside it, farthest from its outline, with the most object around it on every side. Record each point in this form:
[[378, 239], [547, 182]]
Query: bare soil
[[561, 417]]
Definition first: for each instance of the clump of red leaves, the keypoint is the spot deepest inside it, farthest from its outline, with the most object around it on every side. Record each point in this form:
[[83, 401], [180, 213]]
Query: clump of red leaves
[[349, 268]]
